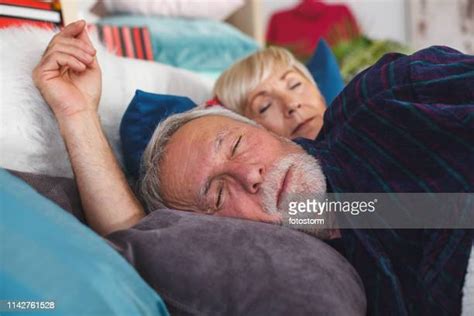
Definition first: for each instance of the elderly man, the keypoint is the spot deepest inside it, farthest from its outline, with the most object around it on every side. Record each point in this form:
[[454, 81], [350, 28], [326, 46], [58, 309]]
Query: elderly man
[[405, 125]]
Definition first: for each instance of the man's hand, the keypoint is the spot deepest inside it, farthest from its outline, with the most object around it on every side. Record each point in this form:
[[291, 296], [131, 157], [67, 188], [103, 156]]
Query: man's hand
[[68, 75]]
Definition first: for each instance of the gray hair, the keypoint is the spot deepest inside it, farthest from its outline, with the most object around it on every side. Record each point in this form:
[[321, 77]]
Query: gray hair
[[150, 184]]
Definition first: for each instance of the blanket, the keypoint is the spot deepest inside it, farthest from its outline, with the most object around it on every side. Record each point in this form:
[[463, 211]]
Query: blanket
[[405, 125]]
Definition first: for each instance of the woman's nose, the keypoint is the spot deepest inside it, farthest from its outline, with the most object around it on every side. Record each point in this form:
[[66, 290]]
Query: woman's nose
[[291, 108]]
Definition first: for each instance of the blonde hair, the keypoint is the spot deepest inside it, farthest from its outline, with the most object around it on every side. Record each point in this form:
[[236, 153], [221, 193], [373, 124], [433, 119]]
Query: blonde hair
[[234, 85]]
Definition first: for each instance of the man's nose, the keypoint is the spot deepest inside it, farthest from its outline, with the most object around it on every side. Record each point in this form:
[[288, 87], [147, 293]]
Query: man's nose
[[251, 176]]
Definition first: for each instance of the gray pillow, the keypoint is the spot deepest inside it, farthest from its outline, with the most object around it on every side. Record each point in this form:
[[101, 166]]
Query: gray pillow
[[204, 265], [62, 191]]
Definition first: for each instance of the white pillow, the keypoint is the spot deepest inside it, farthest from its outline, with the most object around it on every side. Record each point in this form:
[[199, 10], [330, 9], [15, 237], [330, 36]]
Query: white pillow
[[210, 9], [29, 136]]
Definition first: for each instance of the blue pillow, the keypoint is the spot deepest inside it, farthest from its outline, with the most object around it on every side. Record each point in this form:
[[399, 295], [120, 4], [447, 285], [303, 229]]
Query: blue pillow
[[48, 255], [138, 123], [194, 44], [325, 71], [147, 110]]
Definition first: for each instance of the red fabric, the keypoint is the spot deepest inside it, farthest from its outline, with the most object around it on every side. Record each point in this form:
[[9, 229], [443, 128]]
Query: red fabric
[[13, 22], [116, 41], [137, 43], [28, 3], [213, 102], [147, 44], [126, 41], [25, 18], [301, 27]]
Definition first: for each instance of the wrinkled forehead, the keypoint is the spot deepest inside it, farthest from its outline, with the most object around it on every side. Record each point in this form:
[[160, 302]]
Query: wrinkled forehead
[[206, 128], [189, 158]]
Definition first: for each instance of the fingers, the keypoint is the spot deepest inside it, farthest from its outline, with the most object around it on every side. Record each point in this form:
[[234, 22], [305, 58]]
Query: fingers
[[69, 49], [73, 29], [79, 44], [56, 60], [73, 34], [84, 36], [73, 48]]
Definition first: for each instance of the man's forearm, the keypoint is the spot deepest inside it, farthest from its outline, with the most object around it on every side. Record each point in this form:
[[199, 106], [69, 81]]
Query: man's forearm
[[107, 199]]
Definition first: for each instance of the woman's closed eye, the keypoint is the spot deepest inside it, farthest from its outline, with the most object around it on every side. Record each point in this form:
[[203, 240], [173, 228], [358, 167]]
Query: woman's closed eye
[[295, 85], [265, 107]]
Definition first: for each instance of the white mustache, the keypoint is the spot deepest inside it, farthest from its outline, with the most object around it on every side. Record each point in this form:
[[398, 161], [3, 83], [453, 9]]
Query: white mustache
[[306, 177]]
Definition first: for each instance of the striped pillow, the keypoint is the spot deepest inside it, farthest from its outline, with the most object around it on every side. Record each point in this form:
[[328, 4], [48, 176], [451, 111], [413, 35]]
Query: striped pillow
[[126, 41]]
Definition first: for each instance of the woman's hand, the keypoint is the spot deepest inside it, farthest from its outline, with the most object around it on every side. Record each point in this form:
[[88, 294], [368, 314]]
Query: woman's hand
[[68, 75]]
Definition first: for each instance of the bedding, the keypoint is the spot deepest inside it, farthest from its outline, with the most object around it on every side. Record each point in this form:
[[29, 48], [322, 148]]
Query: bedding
[[325, 71], [60, 190], [49, 256], [221, 266], [203, 265], [195, 44], [137, 244], [201, 242], [210, 9], [29, 136], [29, 12], [140, 120], [125, 41]]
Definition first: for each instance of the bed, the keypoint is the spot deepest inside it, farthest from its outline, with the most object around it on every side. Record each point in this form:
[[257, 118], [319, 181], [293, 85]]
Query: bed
[[171, 262]]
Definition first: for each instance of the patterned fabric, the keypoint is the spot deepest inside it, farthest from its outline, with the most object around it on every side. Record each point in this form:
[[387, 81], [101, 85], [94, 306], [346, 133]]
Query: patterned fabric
[[126, 41], [14, 13], [405, 125]]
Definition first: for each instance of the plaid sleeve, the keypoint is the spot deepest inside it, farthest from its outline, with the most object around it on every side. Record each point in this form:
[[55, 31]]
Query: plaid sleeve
[[405, 125]]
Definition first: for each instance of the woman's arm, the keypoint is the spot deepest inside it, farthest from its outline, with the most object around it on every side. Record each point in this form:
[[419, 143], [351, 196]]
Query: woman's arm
[[69, 79]]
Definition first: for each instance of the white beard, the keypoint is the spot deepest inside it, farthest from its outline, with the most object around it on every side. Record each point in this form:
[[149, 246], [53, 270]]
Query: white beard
[[307, 179]]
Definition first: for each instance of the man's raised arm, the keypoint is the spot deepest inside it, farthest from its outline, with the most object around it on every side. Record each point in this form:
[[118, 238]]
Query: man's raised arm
[[69, 79]]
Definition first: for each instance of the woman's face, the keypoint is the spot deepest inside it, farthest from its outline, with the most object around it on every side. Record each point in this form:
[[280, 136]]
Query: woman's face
[[288, 104]]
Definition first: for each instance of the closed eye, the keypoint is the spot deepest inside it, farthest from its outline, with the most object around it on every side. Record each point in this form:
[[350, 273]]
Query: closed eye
[[262, 110], [219, 196], [295, 85], [236, 145]]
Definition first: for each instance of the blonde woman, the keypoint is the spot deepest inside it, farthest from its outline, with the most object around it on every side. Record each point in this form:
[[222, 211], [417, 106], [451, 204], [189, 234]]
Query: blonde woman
[[274, 89]]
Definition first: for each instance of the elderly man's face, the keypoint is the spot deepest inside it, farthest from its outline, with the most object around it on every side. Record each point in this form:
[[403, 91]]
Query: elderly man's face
[[220, 166]]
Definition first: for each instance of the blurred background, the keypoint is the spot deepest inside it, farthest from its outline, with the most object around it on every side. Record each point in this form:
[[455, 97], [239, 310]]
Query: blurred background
[[206, 36]]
